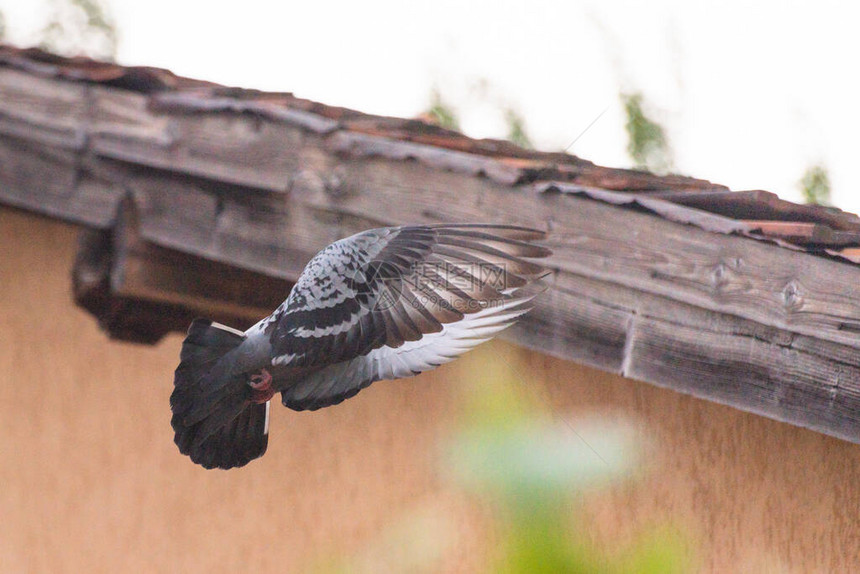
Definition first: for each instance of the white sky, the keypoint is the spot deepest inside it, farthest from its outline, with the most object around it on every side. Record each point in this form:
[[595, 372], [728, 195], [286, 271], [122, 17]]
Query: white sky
[[750, 93]]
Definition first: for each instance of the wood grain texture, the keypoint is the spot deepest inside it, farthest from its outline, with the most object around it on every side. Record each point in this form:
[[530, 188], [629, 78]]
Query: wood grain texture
[[754, 367], [145, 271], [334, 176], [123, 318], [230, 147], [43, 110], [779, 287], [56, 182], [141, 292], [243, 195]]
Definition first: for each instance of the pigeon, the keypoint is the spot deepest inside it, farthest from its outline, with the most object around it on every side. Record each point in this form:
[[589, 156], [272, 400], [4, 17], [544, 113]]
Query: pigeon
[[385, 303]]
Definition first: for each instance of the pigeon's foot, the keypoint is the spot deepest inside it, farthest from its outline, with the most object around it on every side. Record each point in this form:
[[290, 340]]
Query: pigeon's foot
[[261, 387]]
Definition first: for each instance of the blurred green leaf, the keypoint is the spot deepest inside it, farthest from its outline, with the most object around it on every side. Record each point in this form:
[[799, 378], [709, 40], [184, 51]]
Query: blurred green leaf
[[544, 543], [517, 129], [647, 142], [511, 441], [660, 551], [539, 468], [815, 185], [442, 113], [537, 458]]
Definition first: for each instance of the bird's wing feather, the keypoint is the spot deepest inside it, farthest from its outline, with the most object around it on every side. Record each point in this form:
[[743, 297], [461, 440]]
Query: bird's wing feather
[[391, 286], [335, 383]]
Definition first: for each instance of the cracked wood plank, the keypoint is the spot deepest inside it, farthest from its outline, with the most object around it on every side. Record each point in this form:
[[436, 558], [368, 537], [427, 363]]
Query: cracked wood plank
[[773, 286], [785, 376], [235, 195], [791, 290]]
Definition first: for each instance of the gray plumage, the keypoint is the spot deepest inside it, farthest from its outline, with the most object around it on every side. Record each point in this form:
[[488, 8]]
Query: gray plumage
[[382, 304]]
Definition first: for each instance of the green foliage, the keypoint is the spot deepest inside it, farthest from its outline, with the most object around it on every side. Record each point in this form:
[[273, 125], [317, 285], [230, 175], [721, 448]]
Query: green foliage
[[80, 27], [647, 143], [815, 185], [442, 113], [517, 129], [539, 470]]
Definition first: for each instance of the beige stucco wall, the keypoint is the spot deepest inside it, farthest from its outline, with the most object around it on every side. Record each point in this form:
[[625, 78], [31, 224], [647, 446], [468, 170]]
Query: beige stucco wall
[[90, 480]]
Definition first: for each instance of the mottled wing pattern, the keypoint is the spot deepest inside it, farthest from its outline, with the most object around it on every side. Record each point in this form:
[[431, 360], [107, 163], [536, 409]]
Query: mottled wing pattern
[[327, 315], [394, 302], [338, 382]]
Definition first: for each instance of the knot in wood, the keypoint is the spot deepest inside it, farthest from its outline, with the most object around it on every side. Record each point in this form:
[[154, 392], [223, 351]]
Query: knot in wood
[[335, 183], [792, 295], [720, 276]]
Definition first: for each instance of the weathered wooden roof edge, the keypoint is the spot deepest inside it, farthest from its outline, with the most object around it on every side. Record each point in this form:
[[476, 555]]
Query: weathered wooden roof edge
[[200, 199]]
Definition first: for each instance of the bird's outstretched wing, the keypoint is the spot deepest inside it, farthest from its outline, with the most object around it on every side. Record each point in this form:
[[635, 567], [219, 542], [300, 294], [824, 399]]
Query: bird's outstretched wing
[[393, 302]]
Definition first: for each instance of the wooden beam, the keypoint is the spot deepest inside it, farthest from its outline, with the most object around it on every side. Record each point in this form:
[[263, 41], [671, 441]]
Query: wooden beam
[[123, 318], [325, 193], [782, 375], [58, 182], [140, 292], [194, 213], [43, 110]]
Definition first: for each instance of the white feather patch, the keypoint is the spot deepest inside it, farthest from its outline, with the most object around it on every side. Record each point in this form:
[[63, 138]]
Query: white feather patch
[[453, 340], [228, 329]]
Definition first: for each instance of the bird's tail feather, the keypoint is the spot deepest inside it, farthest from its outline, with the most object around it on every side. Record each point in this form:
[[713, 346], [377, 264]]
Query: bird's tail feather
[[214, 420]]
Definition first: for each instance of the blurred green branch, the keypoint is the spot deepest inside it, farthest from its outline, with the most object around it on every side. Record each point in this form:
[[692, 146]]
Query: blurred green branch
[[815, 185], [442, 113], [517, 129], [647, 142]]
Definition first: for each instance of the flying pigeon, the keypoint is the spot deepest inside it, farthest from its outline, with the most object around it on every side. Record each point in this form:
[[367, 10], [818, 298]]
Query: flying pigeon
[[382, 304]]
